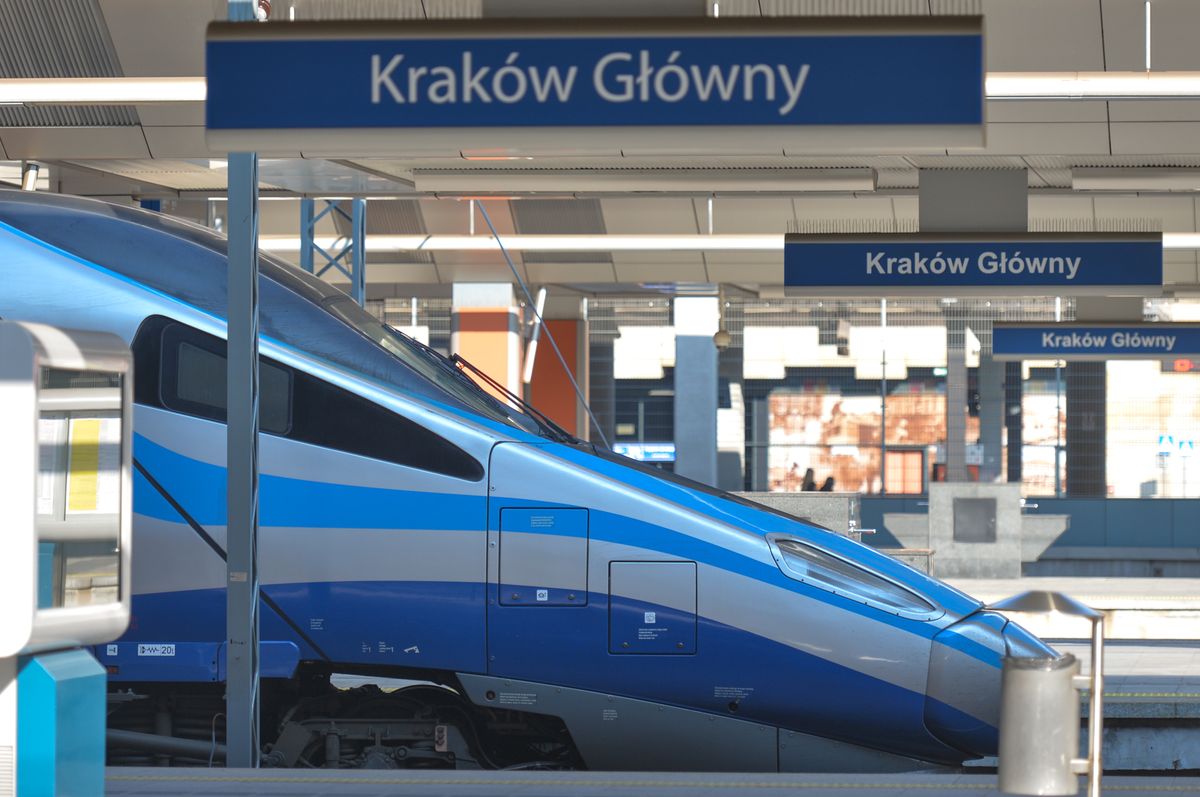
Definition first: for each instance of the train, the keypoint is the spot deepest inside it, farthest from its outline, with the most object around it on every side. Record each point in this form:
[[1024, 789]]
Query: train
[[449, 580]]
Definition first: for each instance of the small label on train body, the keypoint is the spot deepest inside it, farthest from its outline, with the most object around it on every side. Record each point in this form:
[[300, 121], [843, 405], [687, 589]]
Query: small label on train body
[[156, 650], [517, 698]]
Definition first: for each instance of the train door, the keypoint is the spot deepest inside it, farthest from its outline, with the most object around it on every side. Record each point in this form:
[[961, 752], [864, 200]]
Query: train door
[[538, 590]]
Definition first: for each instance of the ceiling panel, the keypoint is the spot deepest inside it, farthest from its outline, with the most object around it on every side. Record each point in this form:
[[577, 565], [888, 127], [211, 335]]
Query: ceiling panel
[[813, 210], [548, 216], [58, 143], [177, 142], [1174, 24], [1045, 138], [1046, 111], [1156, 110], [1040, 36], [1152, 138], [635, 270], [665, 215], [1177, 213], [563, 273], [748, 215], [157, 38], [326, 178]]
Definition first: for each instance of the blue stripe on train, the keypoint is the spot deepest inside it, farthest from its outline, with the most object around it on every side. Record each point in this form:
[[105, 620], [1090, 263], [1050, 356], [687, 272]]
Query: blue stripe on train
[[436, 625], [742, 516], [200, 489]]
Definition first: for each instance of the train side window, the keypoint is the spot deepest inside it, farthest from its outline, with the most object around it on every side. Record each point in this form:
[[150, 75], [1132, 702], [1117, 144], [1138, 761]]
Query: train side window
[[183, 369], [328, 416], [192, 380]]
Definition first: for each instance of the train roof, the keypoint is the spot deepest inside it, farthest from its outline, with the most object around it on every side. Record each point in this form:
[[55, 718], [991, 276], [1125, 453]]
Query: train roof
[[188, 263]]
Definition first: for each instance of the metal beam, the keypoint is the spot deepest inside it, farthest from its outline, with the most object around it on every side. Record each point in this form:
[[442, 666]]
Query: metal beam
[[242, 596], [347, 254]]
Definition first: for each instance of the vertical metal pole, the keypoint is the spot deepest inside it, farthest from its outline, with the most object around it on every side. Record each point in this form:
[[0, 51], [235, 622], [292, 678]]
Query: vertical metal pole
[[1057, 409], [242, 598], [307, 233], [358, 251], [883, 398], [1096, 710]]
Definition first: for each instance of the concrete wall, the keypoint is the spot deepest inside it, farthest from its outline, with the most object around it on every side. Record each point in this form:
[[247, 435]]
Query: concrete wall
[[1111, 522]]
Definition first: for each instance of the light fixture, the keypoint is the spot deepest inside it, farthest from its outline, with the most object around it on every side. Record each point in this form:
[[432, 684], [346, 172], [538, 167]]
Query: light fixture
[[546, 243], [1181, 240], [998, 86], [595, 243], [1134, 179], [451, 182], [1092, 85], [102, 90]]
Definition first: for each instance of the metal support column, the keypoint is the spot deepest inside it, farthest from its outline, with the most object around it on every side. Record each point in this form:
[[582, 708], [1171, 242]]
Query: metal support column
[[308, 224], [953, 200], [348, 254], [242, 596]]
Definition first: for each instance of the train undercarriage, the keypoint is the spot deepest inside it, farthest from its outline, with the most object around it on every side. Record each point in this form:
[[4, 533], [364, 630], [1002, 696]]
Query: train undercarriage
[[308, 722]]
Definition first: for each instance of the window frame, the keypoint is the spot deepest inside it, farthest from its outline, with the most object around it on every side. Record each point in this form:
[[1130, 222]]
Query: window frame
[[773, 539], [172, 338], [155, 348]]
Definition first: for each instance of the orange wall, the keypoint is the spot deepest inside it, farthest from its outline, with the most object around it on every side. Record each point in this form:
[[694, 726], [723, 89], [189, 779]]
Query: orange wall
[[484, 339], [551, 391]]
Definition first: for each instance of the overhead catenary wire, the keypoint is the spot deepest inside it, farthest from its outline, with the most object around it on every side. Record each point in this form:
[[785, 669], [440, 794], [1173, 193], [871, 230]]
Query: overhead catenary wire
[[549, 335]]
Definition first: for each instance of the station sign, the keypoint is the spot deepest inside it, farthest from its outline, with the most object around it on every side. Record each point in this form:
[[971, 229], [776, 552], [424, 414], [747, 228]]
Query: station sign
[[796, 84], [1125, 264], [646, 452], [1087, 341]]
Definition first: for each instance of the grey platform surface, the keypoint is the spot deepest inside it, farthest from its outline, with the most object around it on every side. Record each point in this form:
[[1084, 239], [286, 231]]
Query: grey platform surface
[[1103, 592], [1135, 608], [1146, 679], [359, 783]]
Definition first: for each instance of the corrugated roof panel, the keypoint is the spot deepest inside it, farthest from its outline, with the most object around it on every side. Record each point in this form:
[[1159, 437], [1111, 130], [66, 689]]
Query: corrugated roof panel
[[388, 217], [560, 216], [64, 38], [378, 9]]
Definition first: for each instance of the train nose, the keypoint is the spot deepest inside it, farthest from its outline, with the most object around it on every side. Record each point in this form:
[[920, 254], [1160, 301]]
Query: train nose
[[962, 698]]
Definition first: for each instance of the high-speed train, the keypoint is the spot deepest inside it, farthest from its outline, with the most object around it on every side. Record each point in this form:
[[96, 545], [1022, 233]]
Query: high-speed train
[[549, 603]]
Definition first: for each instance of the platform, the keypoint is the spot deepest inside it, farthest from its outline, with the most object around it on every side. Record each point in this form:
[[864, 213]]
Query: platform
[[311, 783], [1135, 608], [1146, 679]]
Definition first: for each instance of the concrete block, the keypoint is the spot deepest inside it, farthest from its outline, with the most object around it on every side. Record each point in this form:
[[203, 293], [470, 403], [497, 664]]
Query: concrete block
[[834, 511]]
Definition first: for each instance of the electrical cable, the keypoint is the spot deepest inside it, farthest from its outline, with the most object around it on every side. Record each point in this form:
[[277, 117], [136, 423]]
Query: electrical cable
[[212, 752], [542, 321]]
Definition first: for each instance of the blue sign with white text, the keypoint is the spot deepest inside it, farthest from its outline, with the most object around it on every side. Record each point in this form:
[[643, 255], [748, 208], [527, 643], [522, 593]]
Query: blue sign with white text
[[646, 452], [1067, 263], [1095, 341], [271, 81]]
